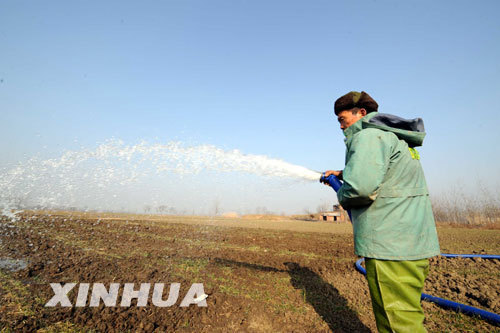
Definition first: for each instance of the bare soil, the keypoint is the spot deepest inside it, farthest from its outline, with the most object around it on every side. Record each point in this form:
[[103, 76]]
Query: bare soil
[[261, 275]]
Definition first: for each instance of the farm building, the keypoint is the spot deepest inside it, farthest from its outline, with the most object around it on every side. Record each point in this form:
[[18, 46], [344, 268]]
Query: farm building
[[336, 215]]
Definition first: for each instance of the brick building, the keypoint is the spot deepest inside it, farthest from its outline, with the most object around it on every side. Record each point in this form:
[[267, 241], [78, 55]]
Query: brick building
[[335, 215]]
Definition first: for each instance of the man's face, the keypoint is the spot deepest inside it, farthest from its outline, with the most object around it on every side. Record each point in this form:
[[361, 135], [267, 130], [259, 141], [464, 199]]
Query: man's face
[[346, 118]]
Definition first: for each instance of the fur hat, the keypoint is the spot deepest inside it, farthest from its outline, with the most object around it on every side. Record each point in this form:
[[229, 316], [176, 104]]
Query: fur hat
[[355, 99]]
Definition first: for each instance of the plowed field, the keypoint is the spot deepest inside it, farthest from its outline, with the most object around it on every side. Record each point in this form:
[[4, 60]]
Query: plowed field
[[260, 275]]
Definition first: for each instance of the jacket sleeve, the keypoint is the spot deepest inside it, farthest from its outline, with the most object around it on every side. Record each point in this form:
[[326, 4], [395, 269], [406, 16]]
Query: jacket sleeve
[[367, 161]]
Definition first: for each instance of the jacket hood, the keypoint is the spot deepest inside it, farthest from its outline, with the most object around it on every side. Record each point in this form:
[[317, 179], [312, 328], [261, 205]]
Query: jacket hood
[[410, 130]]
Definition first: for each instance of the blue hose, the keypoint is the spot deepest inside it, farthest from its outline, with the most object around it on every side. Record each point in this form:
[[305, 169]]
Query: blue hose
[[331, 180], [459, 307], [484, 256]]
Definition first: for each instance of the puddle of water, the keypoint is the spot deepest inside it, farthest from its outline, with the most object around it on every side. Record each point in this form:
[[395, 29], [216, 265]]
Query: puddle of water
[[12, 265]]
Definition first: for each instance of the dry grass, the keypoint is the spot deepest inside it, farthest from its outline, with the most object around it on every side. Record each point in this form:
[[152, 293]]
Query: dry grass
[[481, 208]]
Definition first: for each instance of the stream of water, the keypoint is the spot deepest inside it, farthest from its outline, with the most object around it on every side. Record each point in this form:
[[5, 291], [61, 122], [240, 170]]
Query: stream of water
[[78, 178]]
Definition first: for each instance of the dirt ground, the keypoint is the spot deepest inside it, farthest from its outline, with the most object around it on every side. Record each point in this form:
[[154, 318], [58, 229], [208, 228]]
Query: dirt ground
[[260, 275]]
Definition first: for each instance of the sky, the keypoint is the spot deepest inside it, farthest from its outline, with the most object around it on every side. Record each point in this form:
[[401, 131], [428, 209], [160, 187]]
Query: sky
[[257, 76]]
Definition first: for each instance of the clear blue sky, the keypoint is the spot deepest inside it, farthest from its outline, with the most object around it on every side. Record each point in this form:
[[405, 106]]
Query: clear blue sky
[[259, 76]]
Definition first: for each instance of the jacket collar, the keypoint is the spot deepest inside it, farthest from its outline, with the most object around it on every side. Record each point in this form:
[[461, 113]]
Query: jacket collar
[[358, 126]]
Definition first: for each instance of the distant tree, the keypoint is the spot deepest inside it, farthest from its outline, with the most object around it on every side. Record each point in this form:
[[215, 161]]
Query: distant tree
[[216, 207], [162, 208], [324, 207], [262, 210]]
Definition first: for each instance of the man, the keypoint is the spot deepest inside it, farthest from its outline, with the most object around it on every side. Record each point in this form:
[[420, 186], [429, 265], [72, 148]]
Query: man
[[385, 189]]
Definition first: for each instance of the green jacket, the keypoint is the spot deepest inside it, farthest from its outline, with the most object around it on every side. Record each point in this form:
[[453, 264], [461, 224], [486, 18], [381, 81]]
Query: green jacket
[[385, 189]]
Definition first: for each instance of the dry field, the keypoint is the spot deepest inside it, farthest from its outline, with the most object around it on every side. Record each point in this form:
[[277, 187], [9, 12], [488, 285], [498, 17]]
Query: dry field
[[261, 275]]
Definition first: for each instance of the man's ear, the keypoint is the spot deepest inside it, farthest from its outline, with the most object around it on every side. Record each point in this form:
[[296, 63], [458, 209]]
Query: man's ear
[[362, 112]]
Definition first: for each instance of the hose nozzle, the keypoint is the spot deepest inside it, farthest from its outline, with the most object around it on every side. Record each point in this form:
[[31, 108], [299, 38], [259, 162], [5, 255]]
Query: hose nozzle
[[335, 183], [331, 180]]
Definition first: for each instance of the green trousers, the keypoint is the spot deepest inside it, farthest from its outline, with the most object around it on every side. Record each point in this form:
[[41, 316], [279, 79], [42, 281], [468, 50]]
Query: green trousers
[[395, 290]]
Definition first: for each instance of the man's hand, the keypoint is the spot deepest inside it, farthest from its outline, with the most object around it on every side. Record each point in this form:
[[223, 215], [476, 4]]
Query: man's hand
[[336, 173]]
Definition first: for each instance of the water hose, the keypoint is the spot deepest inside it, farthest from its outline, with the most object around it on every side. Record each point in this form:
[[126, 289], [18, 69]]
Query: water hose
[[447, 304], [335, 183], [331, 180], [494, 318]]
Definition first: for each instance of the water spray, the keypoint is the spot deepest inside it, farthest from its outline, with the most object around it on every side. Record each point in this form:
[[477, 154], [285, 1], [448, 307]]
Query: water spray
[[115, 176]]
